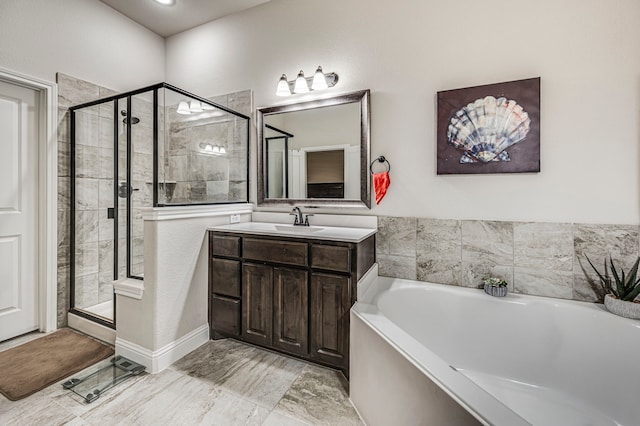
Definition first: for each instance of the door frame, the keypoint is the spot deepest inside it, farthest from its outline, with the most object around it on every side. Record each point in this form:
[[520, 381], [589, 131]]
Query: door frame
[[47, 194]]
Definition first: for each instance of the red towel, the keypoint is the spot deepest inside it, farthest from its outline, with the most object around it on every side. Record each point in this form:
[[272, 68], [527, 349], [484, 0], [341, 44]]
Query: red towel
[[380, 184]]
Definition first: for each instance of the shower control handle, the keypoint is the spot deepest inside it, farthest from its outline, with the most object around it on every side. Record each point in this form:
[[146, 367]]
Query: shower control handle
[[122, 190]]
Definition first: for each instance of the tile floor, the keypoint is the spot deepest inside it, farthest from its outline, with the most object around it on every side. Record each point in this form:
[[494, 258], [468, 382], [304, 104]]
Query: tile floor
[[223, 382]]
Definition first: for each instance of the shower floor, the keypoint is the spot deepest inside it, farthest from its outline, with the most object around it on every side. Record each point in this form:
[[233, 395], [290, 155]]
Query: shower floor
[[104, 309]]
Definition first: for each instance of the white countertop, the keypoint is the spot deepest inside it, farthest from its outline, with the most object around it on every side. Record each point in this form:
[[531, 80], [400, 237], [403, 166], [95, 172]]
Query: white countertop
[[334, 233]]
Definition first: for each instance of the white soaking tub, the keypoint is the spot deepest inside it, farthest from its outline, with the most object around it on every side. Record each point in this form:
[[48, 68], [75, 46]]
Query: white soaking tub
[[426, 353]]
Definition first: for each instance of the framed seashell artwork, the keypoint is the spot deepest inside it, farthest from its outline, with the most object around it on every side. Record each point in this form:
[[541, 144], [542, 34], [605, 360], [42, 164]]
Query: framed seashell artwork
[[493, 128]]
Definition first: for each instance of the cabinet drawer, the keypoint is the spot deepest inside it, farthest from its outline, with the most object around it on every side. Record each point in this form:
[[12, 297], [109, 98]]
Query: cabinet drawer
[[225, 277], [333, 258], [287, 252], [224, 245], [225, 315]]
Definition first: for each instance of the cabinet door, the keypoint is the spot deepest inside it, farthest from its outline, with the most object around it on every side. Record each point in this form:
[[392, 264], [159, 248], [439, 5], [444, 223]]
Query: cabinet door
[[330, 318], [257, 303], [291, 312]]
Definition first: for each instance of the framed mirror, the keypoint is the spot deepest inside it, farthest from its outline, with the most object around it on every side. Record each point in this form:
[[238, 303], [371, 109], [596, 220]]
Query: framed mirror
[[315, 153]]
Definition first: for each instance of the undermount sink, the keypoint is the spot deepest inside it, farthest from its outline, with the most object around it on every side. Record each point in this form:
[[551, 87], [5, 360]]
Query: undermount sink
[[298, 229]]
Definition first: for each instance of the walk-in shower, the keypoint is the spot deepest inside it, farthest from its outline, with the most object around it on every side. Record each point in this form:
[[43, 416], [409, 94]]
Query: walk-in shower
[[153, 147]]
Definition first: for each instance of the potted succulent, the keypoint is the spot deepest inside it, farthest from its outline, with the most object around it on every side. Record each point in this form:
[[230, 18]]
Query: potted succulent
[[621, 290], [495, 286]]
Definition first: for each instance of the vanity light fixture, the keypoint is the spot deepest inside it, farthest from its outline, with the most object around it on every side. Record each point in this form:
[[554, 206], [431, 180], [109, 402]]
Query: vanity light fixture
[[319, 80], [283, 87], [208, 148], [183, 108], [195, 106], [166, 2], [302, 84]]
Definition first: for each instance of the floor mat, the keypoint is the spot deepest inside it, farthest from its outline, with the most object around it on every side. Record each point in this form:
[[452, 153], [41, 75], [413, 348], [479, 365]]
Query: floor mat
[[35, 365]]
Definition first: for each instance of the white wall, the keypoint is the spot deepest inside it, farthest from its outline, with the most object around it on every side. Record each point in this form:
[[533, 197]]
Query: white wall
[[175, 297], [585, 51], [82, 38], [338, 125]]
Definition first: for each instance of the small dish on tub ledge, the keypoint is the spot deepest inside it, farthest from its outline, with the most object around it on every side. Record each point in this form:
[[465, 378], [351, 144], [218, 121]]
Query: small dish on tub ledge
[[494, 286]]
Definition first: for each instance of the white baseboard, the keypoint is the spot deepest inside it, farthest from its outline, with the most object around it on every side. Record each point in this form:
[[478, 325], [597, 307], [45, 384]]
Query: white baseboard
[[91, 328], [158, 360]]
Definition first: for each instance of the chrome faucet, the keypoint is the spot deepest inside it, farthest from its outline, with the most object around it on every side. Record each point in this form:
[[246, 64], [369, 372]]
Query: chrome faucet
[[298, 216], [299, 220]]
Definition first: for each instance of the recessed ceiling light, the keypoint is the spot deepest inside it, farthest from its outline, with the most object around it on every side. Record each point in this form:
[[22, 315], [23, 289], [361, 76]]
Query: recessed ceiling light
[[166, 2]]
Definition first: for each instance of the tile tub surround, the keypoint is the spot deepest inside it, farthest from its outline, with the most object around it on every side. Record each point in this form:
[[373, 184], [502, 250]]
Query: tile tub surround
[[222, 382], [537, 258]]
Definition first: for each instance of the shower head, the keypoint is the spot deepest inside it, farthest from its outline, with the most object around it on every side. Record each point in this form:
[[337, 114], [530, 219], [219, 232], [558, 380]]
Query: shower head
[[125, 120]]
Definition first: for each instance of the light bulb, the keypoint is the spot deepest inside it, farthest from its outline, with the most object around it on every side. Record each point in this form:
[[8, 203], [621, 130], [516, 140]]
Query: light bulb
[[183, 108], [319, 80], [222, 150], [283, 87], [301, 84]]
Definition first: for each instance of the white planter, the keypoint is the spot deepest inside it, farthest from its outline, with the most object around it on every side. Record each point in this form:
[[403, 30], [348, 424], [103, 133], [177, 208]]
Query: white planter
[[621, 307]]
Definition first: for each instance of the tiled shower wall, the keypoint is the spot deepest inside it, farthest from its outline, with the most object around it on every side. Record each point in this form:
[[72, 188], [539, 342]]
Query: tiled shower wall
[[72, 91], [94, 260], [202, 177], [537, 258]]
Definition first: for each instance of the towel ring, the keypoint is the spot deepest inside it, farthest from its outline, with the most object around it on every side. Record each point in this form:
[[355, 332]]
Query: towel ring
[[380, 159]]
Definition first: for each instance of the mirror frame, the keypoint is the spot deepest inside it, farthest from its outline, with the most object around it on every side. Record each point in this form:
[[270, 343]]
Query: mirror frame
[[362, 97]]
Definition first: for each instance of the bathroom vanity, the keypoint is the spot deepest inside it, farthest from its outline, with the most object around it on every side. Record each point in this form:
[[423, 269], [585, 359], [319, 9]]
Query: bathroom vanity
[[287, 288]]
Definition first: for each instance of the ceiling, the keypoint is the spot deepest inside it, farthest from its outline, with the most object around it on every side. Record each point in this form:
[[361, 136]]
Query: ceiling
[[185, 14]]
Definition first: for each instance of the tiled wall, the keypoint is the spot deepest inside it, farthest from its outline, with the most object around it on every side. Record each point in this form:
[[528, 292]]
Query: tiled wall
[[544, 259], [72, 91]]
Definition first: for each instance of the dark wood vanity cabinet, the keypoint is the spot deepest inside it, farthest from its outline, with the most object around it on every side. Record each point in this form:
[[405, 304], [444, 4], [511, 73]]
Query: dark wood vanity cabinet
[[288, 294]]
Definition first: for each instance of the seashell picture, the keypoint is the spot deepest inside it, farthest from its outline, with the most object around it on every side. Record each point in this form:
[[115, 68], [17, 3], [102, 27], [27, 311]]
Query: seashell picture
[[490, 129]]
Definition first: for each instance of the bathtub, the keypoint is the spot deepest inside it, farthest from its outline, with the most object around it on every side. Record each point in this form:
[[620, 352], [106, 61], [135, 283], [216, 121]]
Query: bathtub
[[428, 354]]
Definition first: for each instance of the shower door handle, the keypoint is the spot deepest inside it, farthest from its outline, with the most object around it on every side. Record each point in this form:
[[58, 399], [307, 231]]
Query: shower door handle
[[111, 213]]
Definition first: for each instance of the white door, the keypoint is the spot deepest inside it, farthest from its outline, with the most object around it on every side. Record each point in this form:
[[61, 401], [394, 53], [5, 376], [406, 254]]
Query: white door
[[18, 210]]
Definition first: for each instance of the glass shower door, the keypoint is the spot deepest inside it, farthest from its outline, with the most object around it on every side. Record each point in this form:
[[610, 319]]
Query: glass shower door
[[92, 230], [112, 176]]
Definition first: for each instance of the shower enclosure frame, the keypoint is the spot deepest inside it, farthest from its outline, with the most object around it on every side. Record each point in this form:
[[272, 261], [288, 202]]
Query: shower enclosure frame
[[155, 157], [286, 136]]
